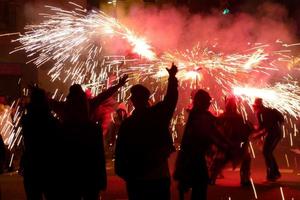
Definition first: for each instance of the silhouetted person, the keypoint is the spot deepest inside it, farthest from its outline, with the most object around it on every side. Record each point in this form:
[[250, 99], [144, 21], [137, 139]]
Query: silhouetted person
[[270, 124], [2, 154], [83, 161], [144, 144], [40, 131], [237, 131], [200, 133]]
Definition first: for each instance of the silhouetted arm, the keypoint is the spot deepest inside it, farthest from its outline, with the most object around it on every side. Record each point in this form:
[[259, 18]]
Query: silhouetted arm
[[96, 101], [171, 97]]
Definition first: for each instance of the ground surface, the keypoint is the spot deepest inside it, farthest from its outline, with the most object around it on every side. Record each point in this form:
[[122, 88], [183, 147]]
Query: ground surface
[[11, 187]]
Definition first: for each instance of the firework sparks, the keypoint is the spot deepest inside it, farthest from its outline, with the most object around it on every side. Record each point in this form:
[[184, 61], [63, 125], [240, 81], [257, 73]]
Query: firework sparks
[[281, 192], [10, 128], [253, 187], [282, 96], [73, 41]]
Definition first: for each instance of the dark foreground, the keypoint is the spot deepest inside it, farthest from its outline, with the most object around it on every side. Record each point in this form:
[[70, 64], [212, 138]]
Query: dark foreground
[[11, 187]]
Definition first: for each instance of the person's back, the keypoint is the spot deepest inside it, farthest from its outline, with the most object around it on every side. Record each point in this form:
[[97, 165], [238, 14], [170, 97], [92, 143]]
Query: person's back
[[237, 131], [234, 127], [199, 128], [270, 125], [270, 119], [148, 142], [144, 144], [40, 132], [200, 133], [83, 161], [82, 153], [2, 154]]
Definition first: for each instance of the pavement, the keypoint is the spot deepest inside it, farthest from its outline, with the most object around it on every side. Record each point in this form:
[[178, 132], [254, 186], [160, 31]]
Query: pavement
[[286, 188]]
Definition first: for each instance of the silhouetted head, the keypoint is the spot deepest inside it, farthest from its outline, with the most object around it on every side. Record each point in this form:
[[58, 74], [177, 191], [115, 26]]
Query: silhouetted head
[[202, 100], [77, 104], [38, 100], [231, 105], [75, 91], [139, 96], [258, 104]]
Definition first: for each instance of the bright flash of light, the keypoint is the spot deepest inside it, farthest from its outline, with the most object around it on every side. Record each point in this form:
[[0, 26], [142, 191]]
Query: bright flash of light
[[282, 96], [226, 69], [140, 46]]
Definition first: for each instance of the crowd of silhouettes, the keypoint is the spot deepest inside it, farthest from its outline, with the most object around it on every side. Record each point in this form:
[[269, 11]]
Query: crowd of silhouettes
[[64, 157]]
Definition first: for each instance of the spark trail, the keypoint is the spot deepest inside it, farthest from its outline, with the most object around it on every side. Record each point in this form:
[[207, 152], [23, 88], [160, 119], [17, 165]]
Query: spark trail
[[282, 96], [73, 41]]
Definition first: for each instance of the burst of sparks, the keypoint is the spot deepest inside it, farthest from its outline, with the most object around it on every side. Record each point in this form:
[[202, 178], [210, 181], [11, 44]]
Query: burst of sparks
[[282, 96], [10, 128], [73, 41]]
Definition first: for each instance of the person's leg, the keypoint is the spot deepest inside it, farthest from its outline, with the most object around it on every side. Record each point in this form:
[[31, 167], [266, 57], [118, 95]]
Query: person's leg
[[267, 152], [181, 194], [32, 188], [132, 190], [274, 167], [218, 165], [245, 169], [149, 189], [182, 189], [160, 189], [199, 191], [91, 195]]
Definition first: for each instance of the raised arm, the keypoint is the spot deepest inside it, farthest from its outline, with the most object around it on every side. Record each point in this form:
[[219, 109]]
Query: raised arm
[[171, 97], [96, 101]]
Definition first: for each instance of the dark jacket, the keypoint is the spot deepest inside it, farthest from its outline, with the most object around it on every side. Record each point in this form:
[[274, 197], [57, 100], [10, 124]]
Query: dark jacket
[[270, 120], [144, 142], [200, 133], [40, 132], [234, 127], [83, 159]]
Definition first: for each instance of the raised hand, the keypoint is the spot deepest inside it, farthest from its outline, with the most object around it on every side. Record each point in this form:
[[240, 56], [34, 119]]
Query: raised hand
[[123, 80], [173, 70]]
